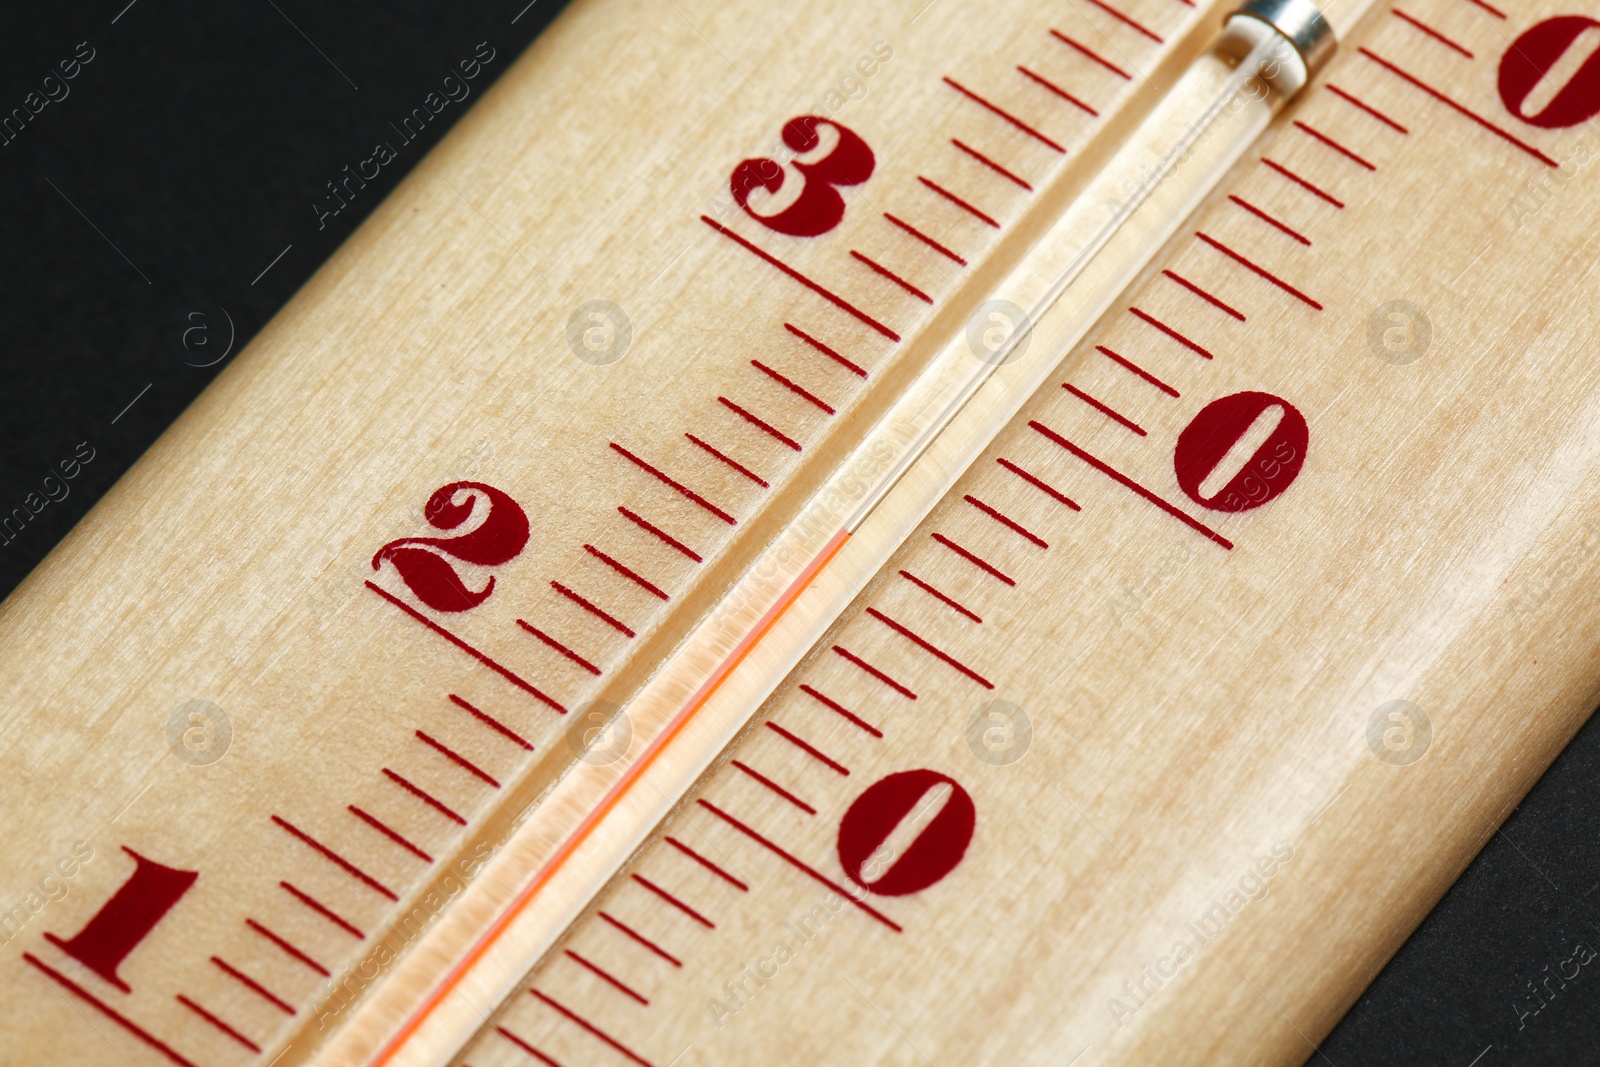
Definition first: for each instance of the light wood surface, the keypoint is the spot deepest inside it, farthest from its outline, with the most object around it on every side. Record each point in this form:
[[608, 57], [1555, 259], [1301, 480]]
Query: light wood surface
[[1200, 714]]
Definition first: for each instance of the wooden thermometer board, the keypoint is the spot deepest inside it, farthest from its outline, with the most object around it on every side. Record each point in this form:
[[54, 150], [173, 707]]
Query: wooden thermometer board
[[1115, 760]]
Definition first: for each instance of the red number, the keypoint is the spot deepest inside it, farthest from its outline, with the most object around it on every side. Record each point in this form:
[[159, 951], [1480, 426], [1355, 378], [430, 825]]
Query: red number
[[930, 856], [1532, 56], [1212, 434], [499, 535], [816, 206], [127, 918]]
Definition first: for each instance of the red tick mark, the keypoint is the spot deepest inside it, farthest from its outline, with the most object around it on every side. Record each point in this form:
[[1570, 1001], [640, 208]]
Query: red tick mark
[[948, 601], [423, 795], [808, 748], [674, 901], [789, 384], [1108, 412], [1128, 483], [254, 986], [1040, 484], [683, 490], [760, 424], [559, 647], [798, 865], [389, 832], [991, 164], [924, 238], [958, 202], [1269, 220], [1005, 520], [851, 657], [1310, 187], [1318, 135], [607, 977], [1257, 269], [591, 1028], [727, 460], [1151, 320], [323, 910], [852, 367], [774, 787], [1412, 20], [1004, 114], [627, 572], [1362, 105], [707, 864], [1228, 309], [833, 298], [457, 758], [1092, 54], [972, 558], [1129, 365], [288, 949], [525, 1047], [491, 722], [929, 647], [659, 534], [334, 858], [504, 672], [878, 268], [218, 1023], [109, 1012], [636, 936], [1126, 20], [842, 711], [1468, 112], [1055, 89]]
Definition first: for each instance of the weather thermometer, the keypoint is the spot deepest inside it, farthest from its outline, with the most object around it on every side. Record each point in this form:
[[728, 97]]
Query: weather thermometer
[[1054, 544]]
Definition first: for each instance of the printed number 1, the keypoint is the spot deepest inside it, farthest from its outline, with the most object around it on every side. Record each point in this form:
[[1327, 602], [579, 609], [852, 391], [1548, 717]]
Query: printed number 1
[[127, 918]]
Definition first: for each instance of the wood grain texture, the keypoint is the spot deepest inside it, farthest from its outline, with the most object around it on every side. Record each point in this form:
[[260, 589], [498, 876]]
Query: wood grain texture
[[1201, 769], [230, 565]]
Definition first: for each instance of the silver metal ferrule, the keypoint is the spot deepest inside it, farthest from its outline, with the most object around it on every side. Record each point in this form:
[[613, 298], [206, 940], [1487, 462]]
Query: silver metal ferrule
[[1299, 24]]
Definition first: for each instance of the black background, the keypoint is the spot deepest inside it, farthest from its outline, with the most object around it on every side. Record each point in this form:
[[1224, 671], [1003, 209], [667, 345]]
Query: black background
[[188, 156]]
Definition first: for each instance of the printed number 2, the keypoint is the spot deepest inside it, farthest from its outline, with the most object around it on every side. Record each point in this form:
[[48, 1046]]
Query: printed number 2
[[500, 533], [815, 206], [127, 918]]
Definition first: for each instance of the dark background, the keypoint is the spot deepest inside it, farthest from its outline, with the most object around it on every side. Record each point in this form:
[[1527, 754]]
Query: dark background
[[177, 180]]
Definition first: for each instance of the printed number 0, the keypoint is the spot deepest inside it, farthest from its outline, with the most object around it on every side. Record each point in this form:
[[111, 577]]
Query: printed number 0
[[817, 207], [872, 819], [1207, 447], [1529, 61]]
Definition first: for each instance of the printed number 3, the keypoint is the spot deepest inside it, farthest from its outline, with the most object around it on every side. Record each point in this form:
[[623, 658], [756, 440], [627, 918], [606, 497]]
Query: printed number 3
[[816, 206]]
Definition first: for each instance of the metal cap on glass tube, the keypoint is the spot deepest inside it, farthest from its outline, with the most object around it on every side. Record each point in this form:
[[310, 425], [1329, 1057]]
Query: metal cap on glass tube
[[1298, 23]]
